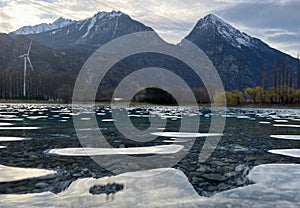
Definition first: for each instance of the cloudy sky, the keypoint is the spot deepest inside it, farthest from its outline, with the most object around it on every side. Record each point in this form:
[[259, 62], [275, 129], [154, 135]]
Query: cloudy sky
[[276, 22]]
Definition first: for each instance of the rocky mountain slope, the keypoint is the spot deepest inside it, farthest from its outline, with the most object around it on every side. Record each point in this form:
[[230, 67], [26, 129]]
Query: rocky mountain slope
[[238, 57], [90, 33]]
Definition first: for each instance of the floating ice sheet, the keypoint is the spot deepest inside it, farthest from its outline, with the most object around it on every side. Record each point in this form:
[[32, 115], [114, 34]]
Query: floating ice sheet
[[15, 174], [184, 134], [12, 139], [288, 126], [107, 120], [276, 174], [276, 184], [37, 117], [11, 119], [287, 137], [20, 128], [281, 121], [163, 149], [265, 122], [6, 124], [175, 141], [287, 152], [243, 117]]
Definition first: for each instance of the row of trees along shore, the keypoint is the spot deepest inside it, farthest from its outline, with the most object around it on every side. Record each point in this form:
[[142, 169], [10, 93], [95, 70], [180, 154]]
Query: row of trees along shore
[[285, 89], [40, 85]]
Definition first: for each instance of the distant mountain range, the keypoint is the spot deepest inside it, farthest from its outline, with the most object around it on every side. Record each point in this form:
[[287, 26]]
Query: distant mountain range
[[44, 27], [88, 34], [66, 44]]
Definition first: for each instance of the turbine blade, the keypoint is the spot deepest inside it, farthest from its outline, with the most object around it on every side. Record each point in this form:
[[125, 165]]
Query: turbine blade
[[22, 56], [28, 59], [29, 49]]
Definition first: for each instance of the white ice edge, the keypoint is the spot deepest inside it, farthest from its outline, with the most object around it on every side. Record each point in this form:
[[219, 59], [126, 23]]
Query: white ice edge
[[6, 124], [286, 152], [287, 137], [184, 134], [281, 121], [289, 126], [163, 149], [11, 119], [12, 139], [15, 174], [107, 120], [265, 122], [37, 117], [174, 141], [275, 184], [20, 128]]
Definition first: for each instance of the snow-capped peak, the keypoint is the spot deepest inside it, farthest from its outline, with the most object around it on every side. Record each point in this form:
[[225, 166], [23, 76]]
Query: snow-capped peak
[[234, 36], [112, 14], [91, 22], [44, 27], [62, 21]]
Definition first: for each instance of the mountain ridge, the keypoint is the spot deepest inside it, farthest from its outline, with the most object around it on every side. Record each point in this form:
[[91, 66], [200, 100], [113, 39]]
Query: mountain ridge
[[238, 57], [43, 27], [90, 33]]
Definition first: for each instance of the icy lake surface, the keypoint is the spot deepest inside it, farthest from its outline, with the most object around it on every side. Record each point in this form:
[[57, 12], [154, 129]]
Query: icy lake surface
[[274, 184], [43, 164]]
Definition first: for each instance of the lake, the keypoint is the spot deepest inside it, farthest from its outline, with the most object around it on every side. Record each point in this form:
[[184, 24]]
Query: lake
[[43, 164]]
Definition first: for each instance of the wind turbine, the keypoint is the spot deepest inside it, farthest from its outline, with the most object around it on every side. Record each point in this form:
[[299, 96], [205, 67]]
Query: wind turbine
[[26, 59]]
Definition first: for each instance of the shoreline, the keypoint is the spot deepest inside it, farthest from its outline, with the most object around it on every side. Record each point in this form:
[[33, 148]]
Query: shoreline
[[265, 106]]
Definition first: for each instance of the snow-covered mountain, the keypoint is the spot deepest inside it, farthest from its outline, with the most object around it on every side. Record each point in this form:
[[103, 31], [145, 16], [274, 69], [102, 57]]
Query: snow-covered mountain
[[231, 34], [238, 57], [44, 27], [90, 33]]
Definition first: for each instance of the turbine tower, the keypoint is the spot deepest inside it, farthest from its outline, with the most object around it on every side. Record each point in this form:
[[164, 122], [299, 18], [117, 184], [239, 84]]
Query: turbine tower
[[26, 59]]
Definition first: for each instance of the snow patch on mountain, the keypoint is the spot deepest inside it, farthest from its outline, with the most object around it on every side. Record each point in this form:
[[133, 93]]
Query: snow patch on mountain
[[91, 25], [44, 27], [234, 36], [99, 16]]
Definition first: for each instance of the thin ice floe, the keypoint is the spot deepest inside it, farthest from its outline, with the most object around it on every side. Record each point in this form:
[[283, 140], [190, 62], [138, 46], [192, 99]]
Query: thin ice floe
[[37, 117], [174, 141], [107, 120], [15, 174], [85, 119], [281, 121], [276, 184], [184, 134], [163, 149], [288, 126], [243, 117], [265, 122], [20, 128], [287, 137], [6, 124], [287, 152], [11, 119], [12, 139]]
